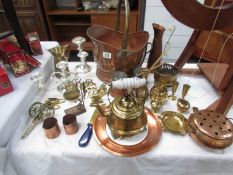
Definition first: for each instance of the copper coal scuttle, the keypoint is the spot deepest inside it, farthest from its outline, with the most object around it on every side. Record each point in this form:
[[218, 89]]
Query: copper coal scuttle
[[117, 51], [125, 116]]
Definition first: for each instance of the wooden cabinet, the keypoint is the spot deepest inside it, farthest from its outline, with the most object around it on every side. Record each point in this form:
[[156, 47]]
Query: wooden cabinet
[[31, 18], [110, 20], [66, 22]]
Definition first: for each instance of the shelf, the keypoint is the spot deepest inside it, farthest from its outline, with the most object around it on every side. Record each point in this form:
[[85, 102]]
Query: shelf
[[90, 12], [71, 24], [66, 22], [72, 20]]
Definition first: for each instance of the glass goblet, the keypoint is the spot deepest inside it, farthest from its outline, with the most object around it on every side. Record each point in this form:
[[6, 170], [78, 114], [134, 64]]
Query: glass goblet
[[39, 79]]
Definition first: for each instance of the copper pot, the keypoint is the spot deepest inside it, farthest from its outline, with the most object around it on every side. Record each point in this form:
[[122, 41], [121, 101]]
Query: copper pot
[[117, 51], [211, 128]]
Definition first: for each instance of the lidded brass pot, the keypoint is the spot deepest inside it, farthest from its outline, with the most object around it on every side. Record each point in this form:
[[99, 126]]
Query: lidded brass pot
[[126, 116], [158, 95]]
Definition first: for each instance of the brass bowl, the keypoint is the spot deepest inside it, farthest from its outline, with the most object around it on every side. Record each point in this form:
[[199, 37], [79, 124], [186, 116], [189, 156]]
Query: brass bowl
[[183, 105], [166, 73]]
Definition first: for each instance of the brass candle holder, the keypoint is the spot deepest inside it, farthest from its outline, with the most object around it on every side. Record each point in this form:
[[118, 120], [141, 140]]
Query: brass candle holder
[[185, 90], [175, 85], [182, 104]]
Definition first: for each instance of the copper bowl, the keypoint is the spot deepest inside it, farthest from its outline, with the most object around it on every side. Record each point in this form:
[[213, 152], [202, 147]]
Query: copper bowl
[[211, 129]]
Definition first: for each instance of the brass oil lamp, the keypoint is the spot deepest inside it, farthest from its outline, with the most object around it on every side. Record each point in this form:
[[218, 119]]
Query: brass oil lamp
[[125, 116]]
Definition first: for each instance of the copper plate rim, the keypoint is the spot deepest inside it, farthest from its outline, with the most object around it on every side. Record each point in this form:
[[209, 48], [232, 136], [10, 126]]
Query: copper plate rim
[[152, 138]]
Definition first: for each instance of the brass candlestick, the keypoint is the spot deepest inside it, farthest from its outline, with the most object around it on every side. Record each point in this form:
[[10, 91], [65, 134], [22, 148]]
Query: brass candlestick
[[185, 90], [175, 85], [182, 104]]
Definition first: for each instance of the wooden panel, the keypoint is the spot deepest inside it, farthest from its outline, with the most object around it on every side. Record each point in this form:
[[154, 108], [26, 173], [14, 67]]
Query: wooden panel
[[214, 47], [25, 4], [4, 24], [30, 22], [109, 21]]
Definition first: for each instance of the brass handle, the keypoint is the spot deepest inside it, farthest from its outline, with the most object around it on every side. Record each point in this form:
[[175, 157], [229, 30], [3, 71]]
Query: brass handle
[[124, 41]]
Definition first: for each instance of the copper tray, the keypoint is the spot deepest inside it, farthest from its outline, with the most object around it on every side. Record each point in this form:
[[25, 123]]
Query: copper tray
[[153, 136]]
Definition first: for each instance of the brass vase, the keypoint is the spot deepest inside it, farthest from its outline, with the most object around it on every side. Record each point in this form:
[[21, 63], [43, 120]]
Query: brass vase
[[59, 54]]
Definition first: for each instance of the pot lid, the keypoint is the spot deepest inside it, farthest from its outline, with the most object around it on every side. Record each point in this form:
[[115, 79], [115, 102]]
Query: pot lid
[[127, 108]]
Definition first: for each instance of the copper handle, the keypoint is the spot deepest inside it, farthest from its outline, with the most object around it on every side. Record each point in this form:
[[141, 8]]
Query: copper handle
[[124, 41]]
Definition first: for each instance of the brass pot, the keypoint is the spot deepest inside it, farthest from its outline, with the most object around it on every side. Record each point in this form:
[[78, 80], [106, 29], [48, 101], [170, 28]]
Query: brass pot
[[126, 116], [166, 73]]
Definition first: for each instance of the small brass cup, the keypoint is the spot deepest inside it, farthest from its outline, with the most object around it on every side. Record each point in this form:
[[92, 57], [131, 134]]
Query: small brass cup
[[51, 128], [183, 105], [70, 124]]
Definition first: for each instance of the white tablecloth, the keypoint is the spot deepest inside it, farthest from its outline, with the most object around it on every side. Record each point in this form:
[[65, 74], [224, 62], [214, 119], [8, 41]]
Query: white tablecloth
[[14, 104], [174, 154]]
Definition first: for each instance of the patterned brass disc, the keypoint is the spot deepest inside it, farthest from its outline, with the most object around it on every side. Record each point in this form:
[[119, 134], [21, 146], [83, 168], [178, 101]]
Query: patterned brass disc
[[153, 136], [35, 109]]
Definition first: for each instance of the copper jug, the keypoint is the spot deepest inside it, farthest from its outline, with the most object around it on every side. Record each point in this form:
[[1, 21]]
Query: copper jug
[[117, 51]]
